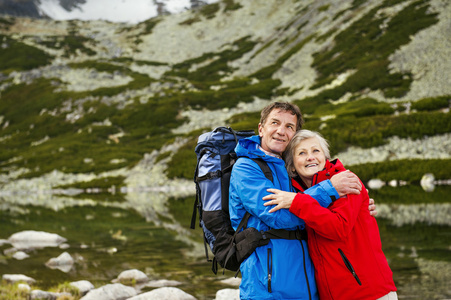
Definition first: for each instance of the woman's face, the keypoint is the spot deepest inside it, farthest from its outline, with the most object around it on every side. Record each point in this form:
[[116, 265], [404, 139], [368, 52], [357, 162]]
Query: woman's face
[[308, 159]]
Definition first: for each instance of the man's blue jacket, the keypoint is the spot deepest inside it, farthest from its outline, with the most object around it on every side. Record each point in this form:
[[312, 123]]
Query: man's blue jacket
[[282, 269]]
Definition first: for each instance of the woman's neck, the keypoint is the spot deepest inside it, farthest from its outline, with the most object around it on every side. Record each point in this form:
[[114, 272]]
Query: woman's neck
[[307, 182]]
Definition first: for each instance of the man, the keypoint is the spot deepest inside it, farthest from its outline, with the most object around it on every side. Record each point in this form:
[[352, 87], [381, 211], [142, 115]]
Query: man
[[282, 269]]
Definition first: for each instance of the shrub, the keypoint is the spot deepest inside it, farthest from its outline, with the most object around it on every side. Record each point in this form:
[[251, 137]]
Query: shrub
[[430, 104], [19, 56], [410, 170], [365, 46]]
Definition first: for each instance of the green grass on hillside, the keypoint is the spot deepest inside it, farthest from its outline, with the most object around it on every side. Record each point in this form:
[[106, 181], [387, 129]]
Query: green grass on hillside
[[17, 56], [365, 47], [37, 136], [71, 44]]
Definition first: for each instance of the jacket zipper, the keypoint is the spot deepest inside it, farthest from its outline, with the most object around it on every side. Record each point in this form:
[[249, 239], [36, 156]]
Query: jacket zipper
[[349, 266], [269, 269], [305, 272]]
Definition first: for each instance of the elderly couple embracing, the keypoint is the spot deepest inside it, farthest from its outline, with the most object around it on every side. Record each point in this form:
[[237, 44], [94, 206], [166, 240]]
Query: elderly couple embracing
[[342, 257]]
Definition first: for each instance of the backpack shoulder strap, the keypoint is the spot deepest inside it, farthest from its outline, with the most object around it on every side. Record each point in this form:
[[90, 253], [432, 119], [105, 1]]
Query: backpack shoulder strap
[[265, 168]]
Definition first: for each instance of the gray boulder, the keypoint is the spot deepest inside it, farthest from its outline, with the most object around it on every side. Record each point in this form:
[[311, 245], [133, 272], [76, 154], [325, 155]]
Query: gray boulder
[[162, 283], [13, 278], [42, 295], [64, 262], [164, 293], [83, 286], [31, 239], [19, 255], [133, 275], [114, 291], [228, 294]]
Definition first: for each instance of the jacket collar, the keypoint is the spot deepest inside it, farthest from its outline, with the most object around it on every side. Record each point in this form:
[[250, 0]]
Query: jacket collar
[[331, 168], [251, 147]]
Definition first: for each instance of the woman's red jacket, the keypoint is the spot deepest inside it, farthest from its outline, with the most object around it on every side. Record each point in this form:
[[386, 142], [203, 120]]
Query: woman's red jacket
[[343, 238]]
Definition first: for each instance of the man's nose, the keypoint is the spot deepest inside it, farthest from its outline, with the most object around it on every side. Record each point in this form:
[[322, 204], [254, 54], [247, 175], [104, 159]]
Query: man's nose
[[281, 130]]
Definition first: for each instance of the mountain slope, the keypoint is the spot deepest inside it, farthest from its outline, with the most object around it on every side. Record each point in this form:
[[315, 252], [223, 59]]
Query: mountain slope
[[126, 102]]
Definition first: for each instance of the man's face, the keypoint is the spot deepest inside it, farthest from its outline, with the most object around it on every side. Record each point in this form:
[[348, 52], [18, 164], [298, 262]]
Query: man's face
[[278, 130]]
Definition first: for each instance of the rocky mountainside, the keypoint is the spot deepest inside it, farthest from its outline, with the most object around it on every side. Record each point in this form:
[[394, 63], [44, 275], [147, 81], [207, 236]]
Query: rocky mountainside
[[124, 103]]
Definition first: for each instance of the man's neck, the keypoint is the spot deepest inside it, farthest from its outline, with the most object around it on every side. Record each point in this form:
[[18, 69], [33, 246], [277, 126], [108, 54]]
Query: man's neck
[[270, 153]]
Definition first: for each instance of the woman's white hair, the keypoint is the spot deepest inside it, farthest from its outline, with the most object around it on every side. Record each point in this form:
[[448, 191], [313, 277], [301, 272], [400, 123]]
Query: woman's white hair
[[300, 136]]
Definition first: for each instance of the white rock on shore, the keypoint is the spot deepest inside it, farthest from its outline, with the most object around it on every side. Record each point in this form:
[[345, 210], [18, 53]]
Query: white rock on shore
[[83, 286], [13, 278], [164, 293], [31, 239], [118, 291], [63, 262], [115, 291]]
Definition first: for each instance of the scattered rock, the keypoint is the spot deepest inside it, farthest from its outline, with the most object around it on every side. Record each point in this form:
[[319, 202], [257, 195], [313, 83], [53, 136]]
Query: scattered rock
[[427, 182], [164, 293], [42, 295], [114, 291], [162, 283], [24, 287], [64, 262], [234, 281], [13, 278], [19, 255], [228, 294], [133, 275], [30, 239], [375, 184], [83, 286]]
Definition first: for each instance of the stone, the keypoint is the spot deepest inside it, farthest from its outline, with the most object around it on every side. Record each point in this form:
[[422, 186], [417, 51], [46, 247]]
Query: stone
[[234, 281], [23, 287], [19, 255], [42, 295], [132, 275], [375, 184], [30, 239], [114, 291], [162, 283], [64, 262], [228, 294], [164, 293], [427, 182], [13, 278], [83, 286]]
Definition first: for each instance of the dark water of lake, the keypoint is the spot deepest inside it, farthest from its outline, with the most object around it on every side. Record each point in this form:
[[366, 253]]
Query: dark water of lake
[[108, 235]]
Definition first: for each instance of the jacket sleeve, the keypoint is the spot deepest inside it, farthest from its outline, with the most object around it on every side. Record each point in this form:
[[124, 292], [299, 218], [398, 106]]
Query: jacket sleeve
[[335, 222], [250, 184], [323, 192]]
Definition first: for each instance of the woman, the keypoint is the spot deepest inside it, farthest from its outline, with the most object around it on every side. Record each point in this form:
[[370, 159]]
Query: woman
[[343, 239]]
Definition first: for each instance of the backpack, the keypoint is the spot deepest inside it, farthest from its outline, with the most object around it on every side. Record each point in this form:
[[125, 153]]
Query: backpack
[[216, 156]]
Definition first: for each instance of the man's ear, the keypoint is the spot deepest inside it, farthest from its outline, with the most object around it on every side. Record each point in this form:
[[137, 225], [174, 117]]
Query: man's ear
[[260, 129]]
